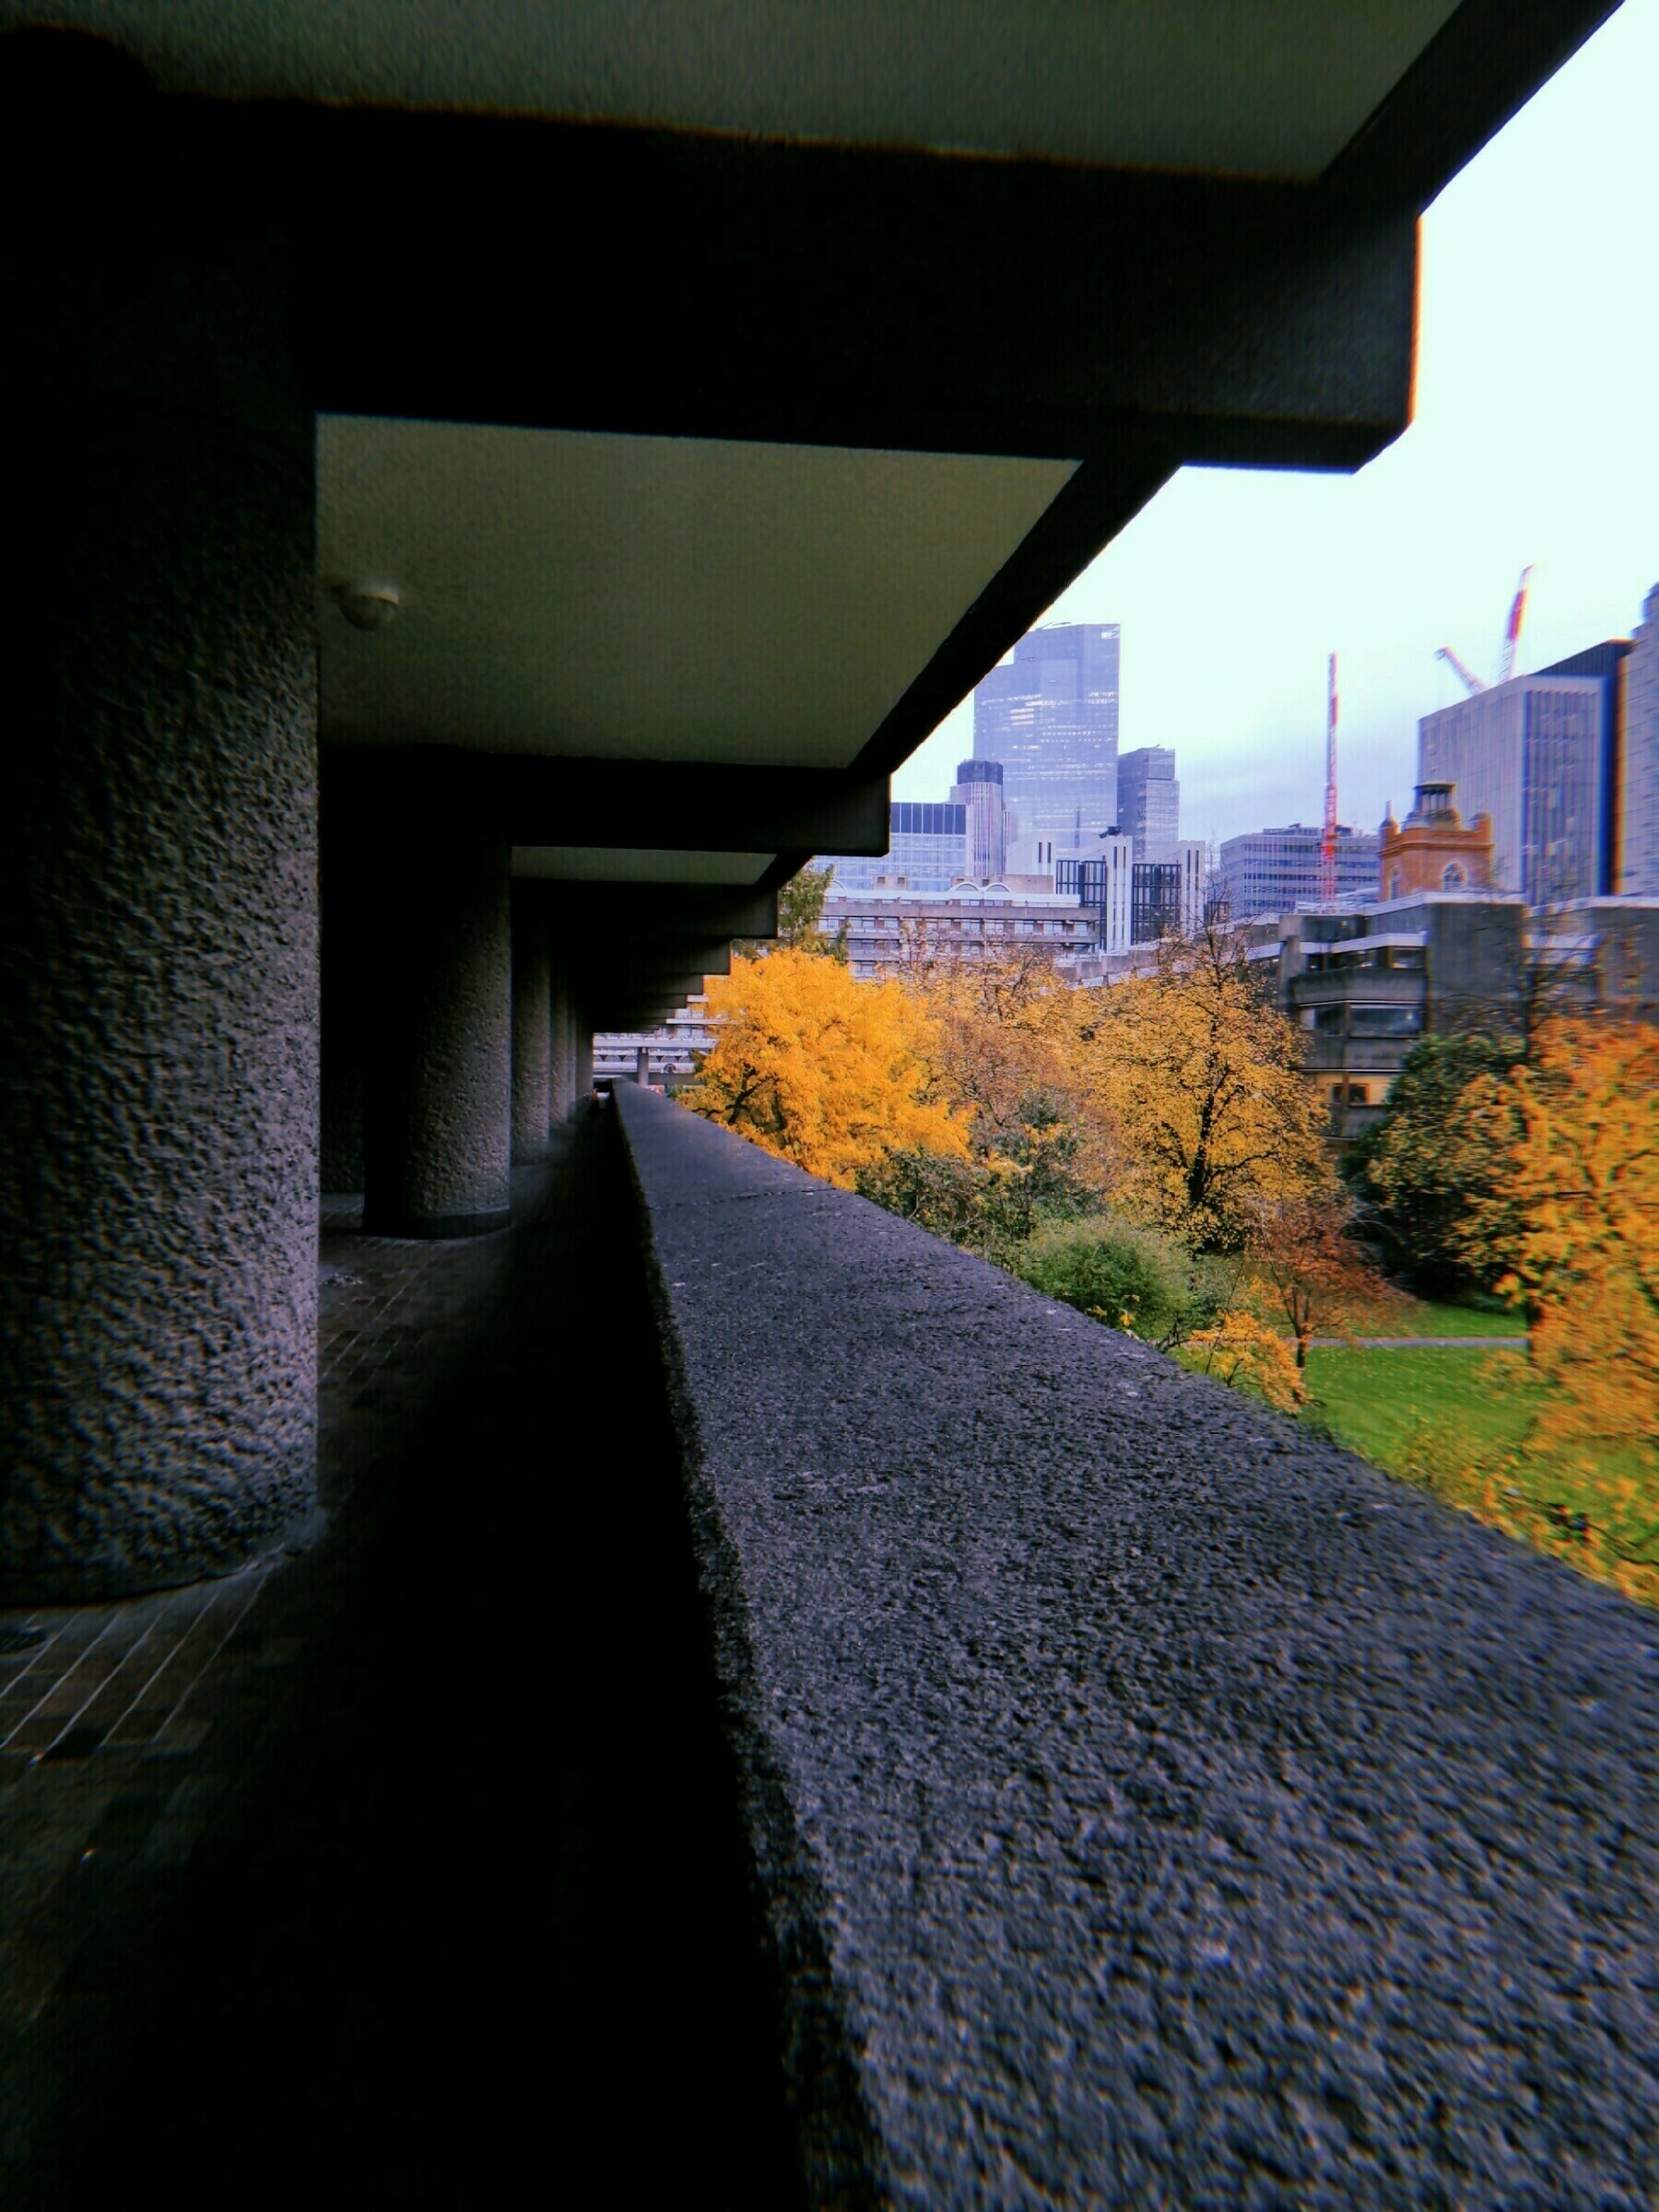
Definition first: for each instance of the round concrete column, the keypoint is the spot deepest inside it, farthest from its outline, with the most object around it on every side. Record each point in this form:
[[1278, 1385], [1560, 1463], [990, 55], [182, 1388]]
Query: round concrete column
[[531, 1031], [564, 1040], [158, 855], [438, 1101]]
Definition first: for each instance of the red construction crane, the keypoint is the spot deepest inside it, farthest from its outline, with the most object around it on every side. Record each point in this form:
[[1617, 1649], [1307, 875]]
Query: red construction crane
[[1328, 843], [1511, 635]]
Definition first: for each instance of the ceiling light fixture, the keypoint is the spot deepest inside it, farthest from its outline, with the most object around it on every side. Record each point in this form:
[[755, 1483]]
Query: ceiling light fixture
[[366, 606]]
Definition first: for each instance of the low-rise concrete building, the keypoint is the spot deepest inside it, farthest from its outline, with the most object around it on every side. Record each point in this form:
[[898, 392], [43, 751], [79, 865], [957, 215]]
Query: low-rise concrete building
[[893, 932], [1363, 987]]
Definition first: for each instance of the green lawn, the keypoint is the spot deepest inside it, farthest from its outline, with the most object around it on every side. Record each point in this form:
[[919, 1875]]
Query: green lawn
[[1426, 1317], [1379, 1402], [1457, 1423]]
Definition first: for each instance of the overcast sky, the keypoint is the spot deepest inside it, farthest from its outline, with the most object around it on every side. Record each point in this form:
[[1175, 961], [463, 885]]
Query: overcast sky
[[1535, 439]]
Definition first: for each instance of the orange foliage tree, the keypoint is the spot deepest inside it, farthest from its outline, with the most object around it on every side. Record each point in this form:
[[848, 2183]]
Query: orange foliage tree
[[826, 1072], [1305, 1264], [1585, 1193]]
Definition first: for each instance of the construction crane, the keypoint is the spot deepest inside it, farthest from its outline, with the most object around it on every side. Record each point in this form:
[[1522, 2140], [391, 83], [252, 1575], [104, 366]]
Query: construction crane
[[1511, 635], [1472, 683], [1328, 843]]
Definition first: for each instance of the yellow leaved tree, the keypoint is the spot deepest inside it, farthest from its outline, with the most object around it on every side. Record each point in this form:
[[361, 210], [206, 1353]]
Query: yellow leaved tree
[[1580, 1213], [1193, 1073], [829, 1073]]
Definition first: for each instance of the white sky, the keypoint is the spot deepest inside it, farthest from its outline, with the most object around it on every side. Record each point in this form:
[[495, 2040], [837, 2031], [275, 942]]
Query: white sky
[[1535, 439]]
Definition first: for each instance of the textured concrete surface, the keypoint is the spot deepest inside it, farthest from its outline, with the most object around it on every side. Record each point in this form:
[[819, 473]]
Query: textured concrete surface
[[158, 898], [531, 1035], [1152, 1807], [438, 1096]]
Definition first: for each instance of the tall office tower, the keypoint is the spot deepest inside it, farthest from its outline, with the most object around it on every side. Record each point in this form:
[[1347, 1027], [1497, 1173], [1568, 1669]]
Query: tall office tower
[[1149, 801], [979, 788], [1050, 716], [1269, 871], [1638, 876], [1529, 754], [928, 851], [1605, 663]]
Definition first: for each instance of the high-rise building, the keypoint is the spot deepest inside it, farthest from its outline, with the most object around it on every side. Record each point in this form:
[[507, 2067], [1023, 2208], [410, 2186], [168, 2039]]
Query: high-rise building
[[928, 851], [1530, 754], [1050, 716], [1268, 871], [1149, 801], [978, 791], [1638, 875], [1605, 663]]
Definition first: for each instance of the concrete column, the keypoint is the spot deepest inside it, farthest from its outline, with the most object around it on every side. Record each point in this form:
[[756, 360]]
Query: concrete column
[[532, 1031], [438, 1100], [157, 855], [642, 1066], [584, 1060], [563, 1040]]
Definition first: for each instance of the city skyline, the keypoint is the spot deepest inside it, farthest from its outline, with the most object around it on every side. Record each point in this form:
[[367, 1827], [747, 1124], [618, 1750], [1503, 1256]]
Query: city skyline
[[1530, 445]]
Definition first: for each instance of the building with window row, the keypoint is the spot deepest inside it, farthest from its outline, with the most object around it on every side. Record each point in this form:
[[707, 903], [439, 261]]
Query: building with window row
[[889, 932], [928, 853], [1268, 871], [1536, 755], [1639, 810]]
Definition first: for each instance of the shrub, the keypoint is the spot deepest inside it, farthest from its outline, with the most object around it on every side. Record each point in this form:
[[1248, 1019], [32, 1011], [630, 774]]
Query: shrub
[[1129, 1278]]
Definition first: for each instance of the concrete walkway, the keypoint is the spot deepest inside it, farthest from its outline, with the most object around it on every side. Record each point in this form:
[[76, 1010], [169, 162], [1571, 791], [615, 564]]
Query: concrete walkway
[[423, 1887], [1154, 1805]]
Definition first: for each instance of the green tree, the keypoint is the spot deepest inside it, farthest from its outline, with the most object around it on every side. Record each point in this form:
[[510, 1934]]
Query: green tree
[[1434, 1161]]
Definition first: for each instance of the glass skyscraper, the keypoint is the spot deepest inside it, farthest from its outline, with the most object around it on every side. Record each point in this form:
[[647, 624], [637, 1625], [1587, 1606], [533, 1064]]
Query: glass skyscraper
[[1150, 801], [1050, 716]]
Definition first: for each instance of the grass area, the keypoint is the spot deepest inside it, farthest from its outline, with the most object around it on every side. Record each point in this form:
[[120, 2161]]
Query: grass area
[[1459, 1423], [1429, 1317]]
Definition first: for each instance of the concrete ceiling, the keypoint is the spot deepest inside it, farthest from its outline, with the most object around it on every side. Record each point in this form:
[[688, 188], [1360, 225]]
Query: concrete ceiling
[[1264, 88], [647, 598], [615, 864]]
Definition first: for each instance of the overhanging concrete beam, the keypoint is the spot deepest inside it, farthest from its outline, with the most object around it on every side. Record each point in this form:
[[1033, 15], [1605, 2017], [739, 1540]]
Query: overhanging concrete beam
[[674, 806]]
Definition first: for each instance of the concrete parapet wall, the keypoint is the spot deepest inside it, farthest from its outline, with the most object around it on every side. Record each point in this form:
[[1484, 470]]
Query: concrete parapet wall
[[1150, 1805]]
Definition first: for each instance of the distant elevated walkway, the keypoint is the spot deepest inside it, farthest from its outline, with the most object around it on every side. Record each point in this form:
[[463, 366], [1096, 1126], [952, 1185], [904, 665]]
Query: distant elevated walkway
[[1152, 1804]]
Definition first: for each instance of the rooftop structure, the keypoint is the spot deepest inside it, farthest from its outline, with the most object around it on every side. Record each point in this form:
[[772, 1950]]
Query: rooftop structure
[[1432, 850]]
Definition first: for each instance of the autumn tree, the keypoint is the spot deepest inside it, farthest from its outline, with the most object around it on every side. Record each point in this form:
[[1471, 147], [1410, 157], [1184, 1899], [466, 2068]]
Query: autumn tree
[[1306, 1267], [1192, 1072], [825, 1071], [1584, 1182]]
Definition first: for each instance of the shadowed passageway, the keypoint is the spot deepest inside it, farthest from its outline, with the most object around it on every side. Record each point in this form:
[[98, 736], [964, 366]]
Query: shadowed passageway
[[470, 1920]]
